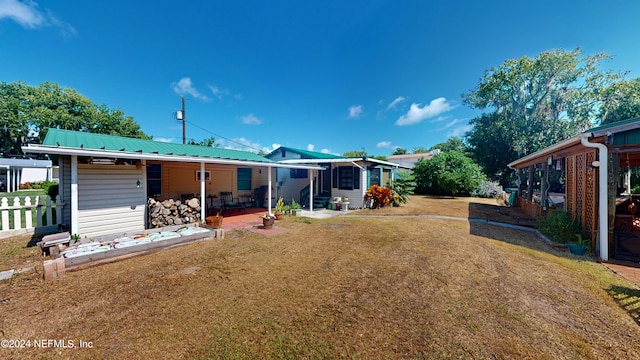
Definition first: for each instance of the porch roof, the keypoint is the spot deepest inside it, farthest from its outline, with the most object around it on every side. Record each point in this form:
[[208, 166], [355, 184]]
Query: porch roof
[[599, 133], [66, 142], [340, 160]]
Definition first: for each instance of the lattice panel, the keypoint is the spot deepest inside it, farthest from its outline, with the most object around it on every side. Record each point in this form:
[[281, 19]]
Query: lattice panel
[[589, 207], [580, 168], [570, 183]]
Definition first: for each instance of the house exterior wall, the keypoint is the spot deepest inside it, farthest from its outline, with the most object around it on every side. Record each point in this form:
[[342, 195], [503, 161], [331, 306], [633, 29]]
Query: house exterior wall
[[110, 204], [64, 188]]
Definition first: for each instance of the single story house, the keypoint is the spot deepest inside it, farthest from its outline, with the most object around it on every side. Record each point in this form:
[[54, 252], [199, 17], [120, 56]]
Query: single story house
[[409, 160], [106, 181], [589, 176], [16, 171], [339, 176]]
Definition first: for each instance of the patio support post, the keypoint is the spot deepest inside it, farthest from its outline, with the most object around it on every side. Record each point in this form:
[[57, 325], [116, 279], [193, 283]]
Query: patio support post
[[9, 188], [311, 190], [74, 194], [544, 186], [532, 170], [269, 189], [603, 195], [203, 204], [520, 176]]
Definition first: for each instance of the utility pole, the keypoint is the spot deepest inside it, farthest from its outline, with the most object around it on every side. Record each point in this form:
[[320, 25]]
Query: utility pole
[[184, 123]]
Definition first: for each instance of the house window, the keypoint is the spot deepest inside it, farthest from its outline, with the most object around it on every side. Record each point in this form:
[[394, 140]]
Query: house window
[[299, 173], [154, 179], [244, 179], [284, 153], [374, 176], [347, 177]]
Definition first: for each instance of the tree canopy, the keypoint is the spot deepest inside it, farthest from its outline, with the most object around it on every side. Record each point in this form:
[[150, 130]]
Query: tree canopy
[[454, 143], [26, 112], [447, 173], [621, 101], [531, 103]]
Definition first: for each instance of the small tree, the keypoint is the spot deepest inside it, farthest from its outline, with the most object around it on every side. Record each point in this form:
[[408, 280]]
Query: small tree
[[402, 187], [448, 173]]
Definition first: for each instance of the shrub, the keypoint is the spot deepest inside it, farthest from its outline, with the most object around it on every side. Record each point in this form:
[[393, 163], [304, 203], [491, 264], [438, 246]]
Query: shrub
[[487, 189], [402, 187], [380, 195], [559, 226]]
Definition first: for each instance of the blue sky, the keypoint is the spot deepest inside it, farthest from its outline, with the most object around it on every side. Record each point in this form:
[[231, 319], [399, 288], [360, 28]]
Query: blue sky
[[329, 76]]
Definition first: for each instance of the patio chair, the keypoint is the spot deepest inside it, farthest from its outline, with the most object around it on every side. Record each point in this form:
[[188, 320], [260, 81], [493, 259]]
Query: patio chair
[[229, 202]]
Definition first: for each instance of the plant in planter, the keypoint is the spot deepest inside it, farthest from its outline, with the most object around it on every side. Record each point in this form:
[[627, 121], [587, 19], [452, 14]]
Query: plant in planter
[[279, 209], [214, 221], [295, 208], [579, 246], [267, 221]]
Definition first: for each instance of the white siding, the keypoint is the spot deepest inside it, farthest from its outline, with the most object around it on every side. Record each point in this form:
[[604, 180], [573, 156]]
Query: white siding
[[109, 201]]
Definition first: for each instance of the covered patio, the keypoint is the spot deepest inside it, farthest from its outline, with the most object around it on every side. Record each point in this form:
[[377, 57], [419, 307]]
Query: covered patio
[[591, 177]]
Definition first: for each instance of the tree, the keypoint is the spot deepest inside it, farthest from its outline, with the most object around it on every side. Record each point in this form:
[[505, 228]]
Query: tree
[[621, 101], [399, 151], [535, 102], [454, 143], [208, 142], [419, 150], [355, 154], [26, 112], [447, 173]]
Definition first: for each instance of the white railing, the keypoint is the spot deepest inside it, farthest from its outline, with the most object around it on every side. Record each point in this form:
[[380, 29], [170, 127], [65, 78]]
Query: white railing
[[20, 214]]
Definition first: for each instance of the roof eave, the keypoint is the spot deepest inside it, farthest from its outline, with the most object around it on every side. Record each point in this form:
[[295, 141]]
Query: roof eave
[[546, 151], [43, 149]]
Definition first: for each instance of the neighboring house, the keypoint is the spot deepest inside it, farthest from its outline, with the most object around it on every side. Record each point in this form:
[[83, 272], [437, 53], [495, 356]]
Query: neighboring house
[[14, 172], [340, 176], [105, 181], [589, 176], [409, 160]]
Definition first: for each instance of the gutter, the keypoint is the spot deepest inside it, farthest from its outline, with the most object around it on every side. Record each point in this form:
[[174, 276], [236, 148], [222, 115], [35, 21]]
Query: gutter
[[603, 198]]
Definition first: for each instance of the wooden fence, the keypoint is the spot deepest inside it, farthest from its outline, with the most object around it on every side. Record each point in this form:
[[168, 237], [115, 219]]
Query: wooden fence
[[21, 215]]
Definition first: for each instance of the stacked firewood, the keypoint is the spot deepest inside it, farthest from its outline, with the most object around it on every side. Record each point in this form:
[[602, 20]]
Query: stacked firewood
[[173, 212]]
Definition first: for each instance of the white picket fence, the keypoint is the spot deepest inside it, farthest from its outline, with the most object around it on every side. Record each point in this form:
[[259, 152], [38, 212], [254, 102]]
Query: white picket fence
[[22, 209]]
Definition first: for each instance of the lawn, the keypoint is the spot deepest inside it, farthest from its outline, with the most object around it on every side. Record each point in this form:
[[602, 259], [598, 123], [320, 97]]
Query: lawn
[[348, 287]]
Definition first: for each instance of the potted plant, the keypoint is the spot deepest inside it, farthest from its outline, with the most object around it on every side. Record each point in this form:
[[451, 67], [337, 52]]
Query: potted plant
[[267, 221], [295, 208], [279, 209], [214, 221], [579, 246]]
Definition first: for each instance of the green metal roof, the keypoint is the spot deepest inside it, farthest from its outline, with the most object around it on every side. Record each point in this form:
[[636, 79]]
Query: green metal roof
[[613, 125], [305, 154], [90, 141]]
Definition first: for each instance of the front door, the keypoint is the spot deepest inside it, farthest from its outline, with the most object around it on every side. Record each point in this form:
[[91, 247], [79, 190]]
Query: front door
[[325, 179]]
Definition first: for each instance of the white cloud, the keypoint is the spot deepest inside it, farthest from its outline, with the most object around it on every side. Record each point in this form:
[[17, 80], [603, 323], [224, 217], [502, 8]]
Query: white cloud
[[327, 151], [310, 147], [460, 130], [395, 102], [162, 139], [417, 114], [274, 146], [386, 145], [355, 111], [184, 87], [251, 120], [451, 123], [30, 16], [241, 143], [218, 92]]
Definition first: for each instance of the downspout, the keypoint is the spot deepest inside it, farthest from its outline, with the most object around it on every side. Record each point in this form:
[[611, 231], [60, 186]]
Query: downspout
[[603, 196], [203, 204]]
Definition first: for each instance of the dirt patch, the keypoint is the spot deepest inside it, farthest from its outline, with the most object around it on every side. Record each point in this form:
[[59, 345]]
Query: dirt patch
[[334, 288]]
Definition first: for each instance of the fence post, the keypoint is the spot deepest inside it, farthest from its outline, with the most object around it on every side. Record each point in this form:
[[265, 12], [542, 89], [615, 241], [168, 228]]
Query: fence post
[[38, 212], [48, 210], [28, 219], [59, 206], [5, 213], [17, 213]]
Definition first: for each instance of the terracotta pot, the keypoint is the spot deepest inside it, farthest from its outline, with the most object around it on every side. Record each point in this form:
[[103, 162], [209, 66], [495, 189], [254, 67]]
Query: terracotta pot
[[214, 221], [279, 216], [268, 223]]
